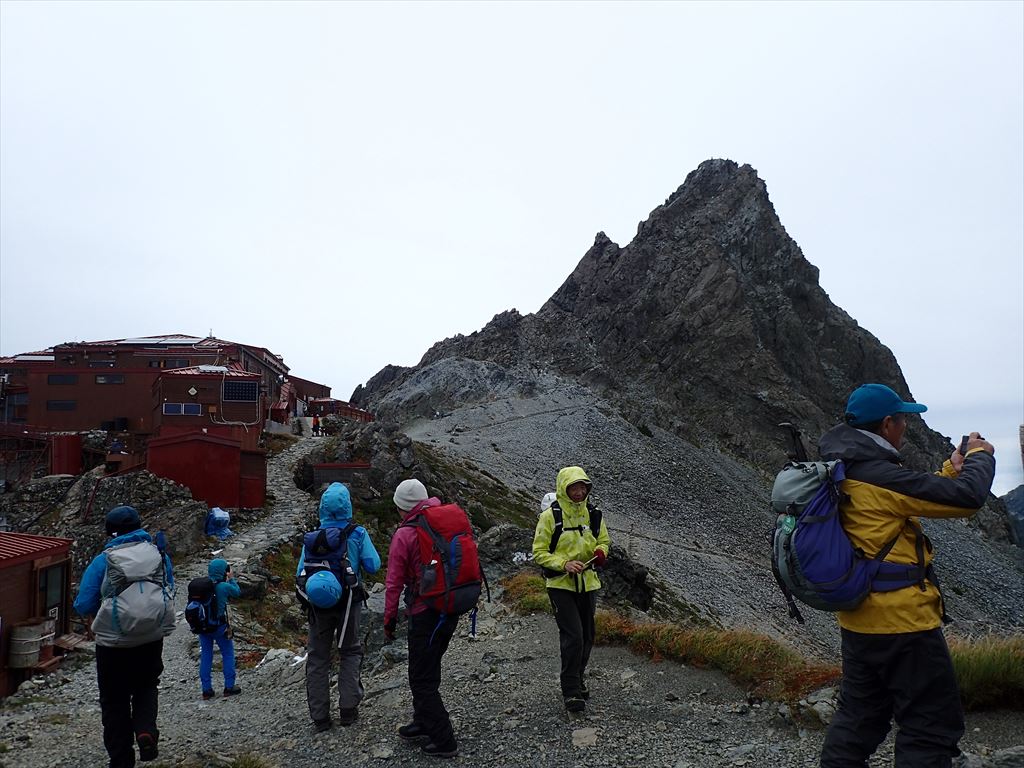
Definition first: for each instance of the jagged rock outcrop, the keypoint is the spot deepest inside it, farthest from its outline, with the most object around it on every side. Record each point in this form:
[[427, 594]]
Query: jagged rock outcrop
[[710, 323]]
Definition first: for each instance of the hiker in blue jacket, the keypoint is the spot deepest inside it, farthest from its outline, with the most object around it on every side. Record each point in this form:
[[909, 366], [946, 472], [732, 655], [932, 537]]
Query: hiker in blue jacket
[[326, 624], [128, 667], [224, 588]]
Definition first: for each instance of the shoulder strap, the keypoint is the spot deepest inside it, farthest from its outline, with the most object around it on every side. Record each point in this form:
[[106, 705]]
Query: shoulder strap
[[595, 520], [556, 534]]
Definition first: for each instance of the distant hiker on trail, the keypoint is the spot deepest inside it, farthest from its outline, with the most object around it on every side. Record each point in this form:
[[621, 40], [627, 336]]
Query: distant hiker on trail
[[567, 547], [895, 658], [316, 426], [218, 629], [430, 631], [329, 584], [129, 589]]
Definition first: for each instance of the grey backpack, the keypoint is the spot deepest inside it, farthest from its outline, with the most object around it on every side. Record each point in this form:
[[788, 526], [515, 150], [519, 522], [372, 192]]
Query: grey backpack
[[138, 603]]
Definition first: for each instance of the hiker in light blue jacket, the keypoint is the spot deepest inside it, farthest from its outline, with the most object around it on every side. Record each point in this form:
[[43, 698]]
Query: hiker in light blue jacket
[[334, 615], [132, 617], [225, 587]]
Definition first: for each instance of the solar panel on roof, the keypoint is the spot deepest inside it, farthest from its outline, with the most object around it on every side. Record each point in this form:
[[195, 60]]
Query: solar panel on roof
[[241, 391]]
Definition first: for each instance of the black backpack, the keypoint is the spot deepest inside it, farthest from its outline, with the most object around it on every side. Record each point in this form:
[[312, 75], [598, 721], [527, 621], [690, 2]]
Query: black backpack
[[201, 610], [556, 534]]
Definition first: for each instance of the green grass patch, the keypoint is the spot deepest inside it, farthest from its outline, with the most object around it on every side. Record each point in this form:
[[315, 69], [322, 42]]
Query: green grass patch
[[990, 671], [753, 661], [275, 443], [250, 760], [527, 593]]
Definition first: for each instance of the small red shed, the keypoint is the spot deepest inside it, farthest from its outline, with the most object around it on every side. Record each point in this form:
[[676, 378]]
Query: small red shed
[[35, 582]]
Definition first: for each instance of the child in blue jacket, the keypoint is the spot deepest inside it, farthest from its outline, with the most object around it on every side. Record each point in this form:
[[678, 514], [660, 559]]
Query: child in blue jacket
[[224, 588]]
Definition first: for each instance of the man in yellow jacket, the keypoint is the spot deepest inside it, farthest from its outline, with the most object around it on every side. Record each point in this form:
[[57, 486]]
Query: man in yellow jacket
[[895, 659], [569, 552]]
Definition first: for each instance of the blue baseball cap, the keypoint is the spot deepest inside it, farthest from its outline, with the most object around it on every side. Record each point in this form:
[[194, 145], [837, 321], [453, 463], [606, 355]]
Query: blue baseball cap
[[873, 402]]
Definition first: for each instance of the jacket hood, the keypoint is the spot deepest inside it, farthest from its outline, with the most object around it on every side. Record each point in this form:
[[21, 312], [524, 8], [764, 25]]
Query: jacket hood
[[139, 535], [852, 444], [566, 477], [335, 504], [217, 569]]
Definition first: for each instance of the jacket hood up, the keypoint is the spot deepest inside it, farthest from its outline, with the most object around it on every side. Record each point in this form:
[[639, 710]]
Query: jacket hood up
[[217, 569], [335, 505], [566, 477]]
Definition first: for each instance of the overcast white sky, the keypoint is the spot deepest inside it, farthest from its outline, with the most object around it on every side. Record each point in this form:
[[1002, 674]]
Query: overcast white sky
[[346, 184]]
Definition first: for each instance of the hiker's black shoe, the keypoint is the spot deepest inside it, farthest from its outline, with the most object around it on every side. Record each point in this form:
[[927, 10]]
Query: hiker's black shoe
[[575, 704], [234, 690], [449, 750], [584, 692], [147, 747], [413, 732], [348, 716], [322, 725], [207, 695]]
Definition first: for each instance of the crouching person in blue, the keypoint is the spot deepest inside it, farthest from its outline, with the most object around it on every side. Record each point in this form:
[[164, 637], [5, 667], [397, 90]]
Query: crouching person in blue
[[224, 588], [329, 583], [129, 626]]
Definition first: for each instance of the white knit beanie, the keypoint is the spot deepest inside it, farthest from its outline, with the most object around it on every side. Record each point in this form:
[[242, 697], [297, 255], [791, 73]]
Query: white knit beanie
[[409, 493]]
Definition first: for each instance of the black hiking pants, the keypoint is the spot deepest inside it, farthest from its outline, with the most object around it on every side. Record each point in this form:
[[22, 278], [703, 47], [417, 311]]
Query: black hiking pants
[[127, 679], [574, 615], [906, 676], [428, 640]]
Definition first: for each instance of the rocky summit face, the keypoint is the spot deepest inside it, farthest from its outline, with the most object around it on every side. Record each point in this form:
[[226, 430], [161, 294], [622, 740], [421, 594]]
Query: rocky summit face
[[664, 367], [710, 324]]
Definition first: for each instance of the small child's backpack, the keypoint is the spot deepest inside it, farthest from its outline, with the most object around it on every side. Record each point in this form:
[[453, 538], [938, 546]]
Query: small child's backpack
[[326, 549], [450, 579], [201, 610], [813, 559]]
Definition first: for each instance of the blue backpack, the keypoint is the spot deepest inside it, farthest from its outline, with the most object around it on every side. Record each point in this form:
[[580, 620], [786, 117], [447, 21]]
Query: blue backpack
[[812, 557]]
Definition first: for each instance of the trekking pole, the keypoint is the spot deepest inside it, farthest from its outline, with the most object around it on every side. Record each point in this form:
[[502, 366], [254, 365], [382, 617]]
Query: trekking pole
[[798, 452], [344, 624]]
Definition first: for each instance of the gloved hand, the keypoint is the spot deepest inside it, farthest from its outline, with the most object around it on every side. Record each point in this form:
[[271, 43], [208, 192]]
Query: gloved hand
[[600, 558], [389, 631]]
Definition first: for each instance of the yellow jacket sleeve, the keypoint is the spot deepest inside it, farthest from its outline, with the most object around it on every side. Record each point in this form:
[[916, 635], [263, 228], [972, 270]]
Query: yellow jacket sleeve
[[542, 540]]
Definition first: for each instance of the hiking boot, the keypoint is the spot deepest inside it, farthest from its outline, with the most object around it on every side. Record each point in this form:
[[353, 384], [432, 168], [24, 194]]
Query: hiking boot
[[584, 692], [449, 750], [413, 732], [575, 704], [147, 747], [348, 716], [322, 725], [207, 695], [234, 690]]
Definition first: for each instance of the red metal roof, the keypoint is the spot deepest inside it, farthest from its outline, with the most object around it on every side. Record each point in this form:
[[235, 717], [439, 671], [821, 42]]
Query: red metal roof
[[211, 370], [20, 547]]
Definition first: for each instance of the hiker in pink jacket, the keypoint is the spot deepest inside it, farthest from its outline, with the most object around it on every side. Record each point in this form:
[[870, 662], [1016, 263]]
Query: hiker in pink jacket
[[429, 631]]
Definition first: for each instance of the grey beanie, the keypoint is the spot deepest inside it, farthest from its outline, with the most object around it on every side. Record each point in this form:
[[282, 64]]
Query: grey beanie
[[409, 493]]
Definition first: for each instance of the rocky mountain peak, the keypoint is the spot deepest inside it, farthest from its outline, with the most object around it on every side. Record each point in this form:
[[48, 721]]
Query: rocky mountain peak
[[710, 322]]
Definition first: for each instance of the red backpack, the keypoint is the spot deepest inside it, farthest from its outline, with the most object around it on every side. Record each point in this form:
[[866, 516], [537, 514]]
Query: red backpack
[[450, 574]]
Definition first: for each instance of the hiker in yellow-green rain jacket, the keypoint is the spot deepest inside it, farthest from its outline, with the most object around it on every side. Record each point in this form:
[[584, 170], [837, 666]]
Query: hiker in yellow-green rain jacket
[[572, 580]]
